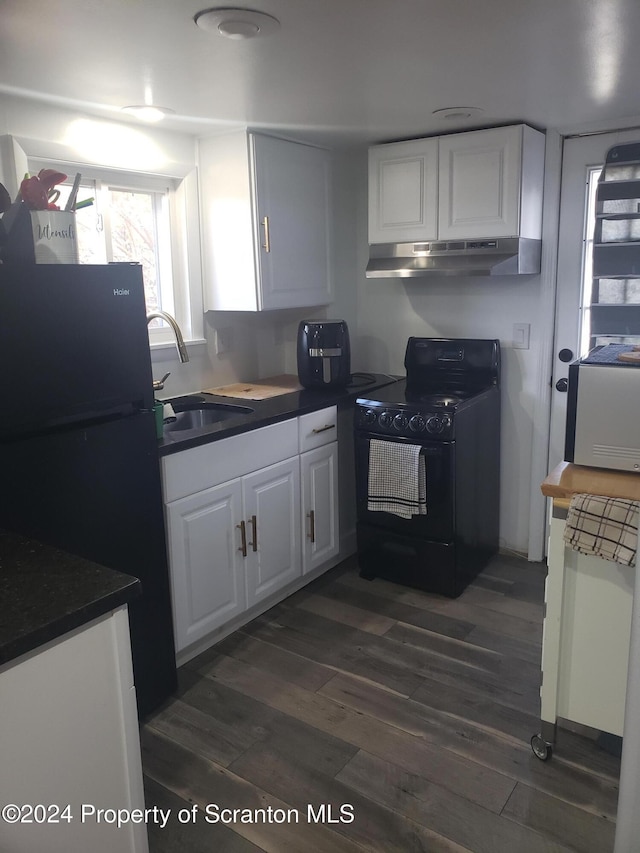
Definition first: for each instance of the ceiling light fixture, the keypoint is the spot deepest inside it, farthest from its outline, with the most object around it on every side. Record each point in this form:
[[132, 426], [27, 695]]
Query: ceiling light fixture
[[146, 112], [236, 23], [457, 113]]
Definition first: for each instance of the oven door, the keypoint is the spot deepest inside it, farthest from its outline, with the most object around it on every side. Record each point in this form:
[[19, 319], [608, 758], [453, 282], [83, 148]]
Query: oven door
[[438, 523]]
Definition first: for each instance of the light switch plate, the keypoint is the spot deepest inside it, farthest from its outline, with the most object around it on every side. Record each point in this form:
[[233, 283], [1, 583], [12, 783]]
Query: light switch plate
[[521, 335]]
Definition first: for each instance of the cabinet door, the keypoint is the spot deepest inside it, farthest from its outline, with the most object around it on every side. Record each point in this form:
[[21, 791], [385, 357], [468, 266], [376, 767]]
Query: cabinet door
[[480, 176], [272, 517], [207, 576], [403, 192], [318, 470], [292, 201]]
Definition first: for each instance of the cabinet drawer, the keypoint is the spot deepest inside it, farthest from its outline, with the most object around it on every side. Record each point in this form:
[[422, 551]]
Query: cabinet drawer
[[210, 464], [318, 428]]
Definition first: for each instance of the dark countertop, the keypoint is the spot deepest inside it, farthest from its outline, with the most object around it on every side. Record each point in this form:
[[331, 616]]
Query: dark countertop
[[271, 411], [45, 592]]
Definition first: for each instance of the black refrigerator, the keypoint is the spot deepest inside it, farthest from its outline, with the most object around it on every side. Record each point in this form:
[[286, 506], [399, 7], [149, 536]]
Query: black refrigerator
[[79, 466]]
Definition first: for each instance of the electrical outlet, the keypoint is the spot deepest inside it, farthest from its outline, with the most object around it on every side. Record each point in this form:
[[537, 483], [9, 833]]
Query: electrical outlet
[[224, 340]]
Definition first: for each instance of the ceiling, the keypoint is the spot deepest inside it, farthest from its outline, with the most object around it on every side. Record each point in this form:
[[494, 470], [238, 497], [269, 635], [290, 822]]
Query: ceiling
[[337, 71]]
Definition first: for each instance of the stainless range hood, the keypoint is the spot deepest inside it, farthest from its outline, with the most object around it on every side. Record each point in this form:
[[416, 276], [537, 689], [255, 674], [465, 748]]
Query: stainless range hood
[[500, 256]]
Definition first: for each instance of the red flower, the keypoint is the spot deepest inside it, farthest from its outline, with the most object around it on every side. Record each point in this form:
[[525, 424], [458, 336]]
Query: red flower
[[34, 194], [50, 177], [35, 191]]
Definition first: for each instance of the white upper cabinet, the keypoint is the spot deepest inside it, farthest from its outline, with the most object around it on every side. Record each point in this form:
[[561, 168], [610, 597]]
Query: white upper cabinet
[[403, 191], [265, 209], [490, 181], [480, 184]]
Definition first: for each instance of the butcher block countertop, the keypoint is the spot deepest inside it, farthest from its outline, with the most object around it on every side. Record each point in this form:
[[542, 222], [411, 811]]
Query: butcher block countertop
[[568, 479]]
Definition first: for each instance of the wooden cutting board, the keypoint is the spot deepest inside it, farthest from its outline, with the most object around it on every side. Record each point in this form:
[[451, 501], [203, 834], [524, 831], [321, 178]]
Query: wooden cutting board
[[630, 357], [263, 389]]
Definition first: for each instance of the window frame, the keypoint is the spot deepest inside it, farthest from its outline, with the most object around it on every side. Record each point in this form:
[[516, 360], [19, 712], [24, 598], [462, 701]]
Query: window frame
[[180, 223]]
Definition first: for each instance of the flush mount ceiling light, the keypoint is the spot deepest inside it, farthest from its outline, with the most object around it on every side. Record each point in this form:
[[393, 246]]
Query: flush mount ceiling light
[[237, 23], [146, 112], [457, 113]]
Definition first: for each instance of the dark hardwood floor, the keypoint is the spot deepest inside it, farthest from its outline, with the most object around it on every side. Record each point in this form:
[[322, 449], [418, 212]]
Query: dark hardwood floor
[[406, 715]]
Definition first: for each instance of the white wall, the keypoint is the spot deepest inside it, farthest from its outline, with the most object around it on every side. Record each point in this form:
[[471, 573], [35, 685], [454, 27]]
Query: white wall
[[390, 310]]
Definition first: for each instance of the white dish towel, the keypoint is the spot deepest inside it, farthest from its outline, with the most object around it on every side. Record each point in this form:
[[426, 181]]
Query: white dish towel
[[397, 479]]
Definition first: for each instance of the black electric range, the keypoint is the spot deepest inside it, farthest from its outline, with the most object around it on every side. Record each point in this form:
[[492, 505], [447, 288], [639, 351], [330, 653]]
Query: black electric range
[[446, 411]]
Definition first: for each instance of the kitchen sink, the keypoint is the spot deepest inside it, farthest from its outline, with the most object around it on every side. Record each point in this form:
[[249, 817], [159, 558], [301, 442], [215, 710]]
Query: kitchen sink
[[195, 414]]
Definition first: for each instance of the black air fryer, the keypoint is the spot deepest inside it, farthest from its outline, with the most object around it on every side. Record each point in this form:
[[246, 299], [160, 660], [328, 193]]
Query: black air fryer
[[324, 355]]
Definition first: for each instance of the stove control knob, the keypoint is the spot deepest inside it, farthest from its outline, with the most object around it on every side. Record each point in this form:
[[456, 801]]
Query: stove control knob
[[386, 419], [401, 422], [435, 424], [417, 423], [369, 416]]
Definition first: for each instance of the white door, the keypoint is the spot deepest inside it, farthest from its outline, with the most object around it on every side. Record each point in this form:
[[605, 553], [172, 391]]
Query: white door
[[207, 574], [479, 183], [272, 517], [582, 157], [292, 184], [403, 191], [319, 472]]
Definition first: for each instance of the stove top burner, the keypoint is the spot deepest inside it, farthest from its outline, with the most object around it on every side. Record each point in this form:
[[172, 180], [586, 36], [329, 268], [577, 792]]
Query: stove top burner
[[400, 411]]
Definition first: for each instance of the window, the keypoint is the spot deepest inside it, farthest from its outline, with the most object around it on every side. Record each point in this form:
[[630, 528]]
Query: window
[[136, 217], [610, 309]]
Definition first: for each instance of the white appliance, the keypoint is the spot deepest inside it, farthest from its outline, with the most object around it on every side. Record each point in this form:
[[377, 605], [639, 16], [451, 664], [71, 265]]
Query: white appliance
[[603, 410]]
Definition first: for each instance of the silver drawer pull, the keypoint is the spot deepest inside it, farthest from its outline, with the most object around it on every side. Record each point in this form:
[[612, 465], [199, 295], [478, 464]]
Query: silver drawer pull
[[324, 428]]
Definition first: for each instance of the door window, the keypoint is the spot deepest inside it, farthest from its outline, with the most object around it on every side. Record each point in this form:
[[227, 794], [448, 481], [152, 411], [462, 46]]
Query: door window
[[610, 304]]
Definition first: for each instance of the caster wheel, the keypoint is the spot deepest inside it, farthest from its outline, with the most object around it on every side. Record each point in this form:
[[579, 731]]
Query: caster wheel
[[541, 749]]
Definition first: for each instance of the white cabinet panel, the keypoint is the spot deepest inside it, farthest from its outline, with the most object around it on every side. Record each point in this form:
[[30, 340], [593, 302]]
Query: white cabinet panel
[[587, 628], [69, 735], [265, 212], [272, 516], [319, 480], [200, 467], [318, 428], [480, 183], [292, 199], [403, 191], [208, 584]]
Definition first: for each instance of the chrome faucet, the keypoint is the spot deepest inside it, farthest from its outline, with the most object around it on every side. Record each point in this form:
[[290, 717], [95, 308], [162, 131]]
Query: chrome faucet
[[158, 384]]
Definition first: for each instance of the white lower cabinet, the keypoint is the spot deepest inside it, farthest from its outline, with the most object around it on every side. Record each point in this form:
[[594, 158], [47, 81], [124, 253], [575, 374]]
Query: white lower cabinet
[[247, 517], [232, 545], [70, 743], [319, 480]]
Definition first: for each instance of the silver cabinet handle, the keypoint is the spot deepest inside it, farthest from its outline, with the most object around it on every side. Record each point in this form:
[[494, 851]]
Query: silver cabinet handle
[[312, 525], [267, 241], [254, 532], [324, 428], [243, 536]]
